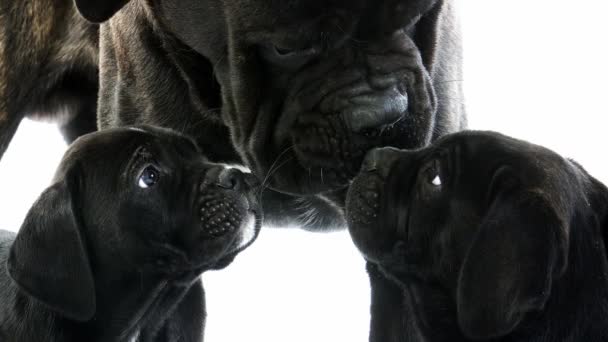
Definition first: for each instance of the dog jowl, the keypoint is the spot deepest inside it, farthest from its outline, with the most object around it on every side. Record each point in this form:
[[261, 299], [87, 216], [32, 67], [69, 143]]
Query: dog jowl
[[299, 90], [481, 237], [114, 248]]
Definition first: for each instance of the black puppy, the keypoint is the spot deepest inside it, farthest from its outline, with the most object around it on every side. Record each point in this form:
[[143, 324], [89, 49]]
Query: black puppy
[[488, 237], [113, 250]]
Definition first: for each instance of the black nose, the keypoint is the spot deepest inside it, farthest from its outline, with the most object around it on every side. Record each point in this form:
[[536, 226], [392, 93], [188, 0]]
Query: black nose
[[231, 179], [380, 160], [373, 112]]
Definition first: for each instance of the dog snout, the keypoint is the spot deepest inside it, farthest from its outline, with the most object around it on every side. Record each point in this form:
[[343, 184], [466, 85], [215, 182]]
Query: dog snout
[[373, 112], [380, 160], [231, 179]]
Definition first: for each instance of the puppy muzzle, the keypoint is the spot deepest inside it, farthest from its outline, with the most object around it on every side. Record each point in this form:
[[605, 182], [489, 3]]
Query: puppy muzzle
[[226, 201], [370, 208]]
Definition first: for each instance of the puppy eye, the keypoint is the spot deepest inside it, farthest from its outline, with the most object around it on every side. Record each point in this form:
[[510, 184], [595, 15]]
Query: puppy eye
[[148, 178], [436, 181], [432, 173], [288, 57]]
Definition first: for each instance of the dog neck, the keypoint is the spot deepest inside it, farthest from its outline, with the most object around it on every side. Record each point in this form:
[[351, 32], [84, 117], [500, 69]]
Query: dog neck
[[598, 199], [22, 317], [187, 74], [577, 308], [140, 301]]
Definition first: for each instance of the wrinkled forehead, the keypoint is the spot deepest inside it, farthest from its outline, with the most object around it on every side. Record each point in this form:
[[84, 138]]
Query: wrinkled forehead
[[292, 8], [488, 150], [269, 12], [114, 147]]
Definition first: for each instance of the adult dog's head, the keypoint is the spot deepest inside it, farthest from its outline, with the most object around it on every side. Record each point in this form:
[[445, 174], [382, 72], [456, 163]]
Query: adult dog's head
[[306, 87], [131, 201], [484, 219]]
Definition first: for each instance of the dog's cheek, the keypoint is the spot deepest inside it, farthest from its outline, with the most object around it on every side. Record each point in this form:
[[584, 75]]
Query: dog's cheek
[[143, 220]]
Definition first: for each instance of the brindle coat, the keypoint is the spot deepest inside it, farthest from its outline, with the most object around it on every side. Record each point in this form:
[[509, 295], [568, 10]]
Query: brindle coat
[[48, 67]]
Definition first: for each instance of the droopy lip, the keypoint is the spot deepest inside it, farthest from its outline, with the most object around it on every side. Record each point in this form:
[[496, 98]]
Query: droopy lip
[[399, 185], [394, 193]]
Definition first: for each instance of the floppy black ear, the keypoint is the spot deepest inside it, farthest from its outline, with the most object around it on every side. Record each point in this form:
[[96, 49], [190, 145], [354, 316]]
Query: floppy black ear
[[48, 258], [519, 249], [98, 11]]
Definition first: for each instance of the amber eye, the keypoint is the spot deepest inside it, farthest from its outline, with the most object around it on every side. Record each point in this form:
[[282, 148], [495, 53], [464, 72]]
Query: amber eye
[[148, 177]]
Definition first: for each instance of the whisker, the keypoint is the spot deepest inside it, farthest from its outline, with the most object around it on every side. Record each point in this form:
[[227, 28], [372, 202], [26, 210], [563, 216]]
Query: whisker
[[309, 176], [265, 185], [322, 181], [448, 81], [274, 168]]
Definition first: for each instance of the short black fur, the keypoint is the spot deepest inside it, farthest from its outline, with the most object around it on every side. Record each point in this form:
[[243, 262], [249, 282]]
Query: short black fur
[[113, 250], [482, 237], [298, 91]]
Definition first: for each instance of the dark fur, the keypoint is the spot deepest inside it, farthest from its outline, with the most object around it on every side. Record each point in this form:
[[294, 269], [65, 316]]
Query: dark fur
[[98, 258], [305, 120], [509, 247], [379, 73], [48, 67]]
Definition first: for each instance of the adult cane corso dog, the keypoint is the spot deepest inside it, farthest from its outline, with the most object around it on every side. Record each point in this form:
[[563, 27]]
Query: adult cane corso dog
[[490, 238], [295, 90], [113, 250]]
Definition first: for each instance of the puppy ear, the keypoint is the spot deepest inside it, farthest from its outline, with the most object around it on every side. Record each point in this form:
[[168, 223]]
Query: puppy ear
[[48, 259], [519, 249], [99, 11]]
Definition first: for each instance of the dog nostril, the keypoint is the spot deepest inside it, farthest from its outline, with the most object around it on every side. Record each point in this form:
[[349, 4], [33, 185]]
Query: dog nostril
[[370, 132], [377, 112], [370, 162], [231, 179]]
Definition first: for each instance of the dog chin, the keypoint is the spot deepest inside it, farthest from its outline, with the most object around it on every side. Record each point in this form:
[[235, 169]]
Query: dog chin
[[363, 201], [249, 231], [364, 216]]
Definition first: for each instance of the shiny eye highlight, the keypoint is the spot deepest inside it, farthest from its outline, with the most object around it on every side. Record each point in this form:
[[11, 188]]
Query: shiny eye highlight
[[436, 181], [148, 177], [432, 174]]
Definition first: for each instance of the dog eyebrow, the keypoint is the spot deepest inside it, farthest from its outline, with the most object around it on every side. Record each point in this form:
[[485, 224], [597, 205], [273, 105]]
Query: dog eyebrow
[[140, 151]]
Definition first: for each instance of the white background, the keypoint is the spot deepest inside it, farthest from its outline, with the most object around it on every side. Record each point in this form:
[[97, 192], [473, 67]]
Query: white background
[[535, 69]]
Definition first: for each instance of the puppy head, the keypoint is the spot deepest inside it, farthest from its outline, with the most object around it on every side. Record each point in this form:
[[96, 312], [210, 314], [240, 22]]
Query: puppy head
[[309, 85], [483, 215], [131, 200]]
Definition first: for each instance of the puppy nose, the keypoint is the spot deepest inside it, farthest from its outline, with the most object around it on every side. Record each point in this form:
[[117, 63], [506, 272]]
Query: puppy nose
[[380, 160], [231, 179]]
